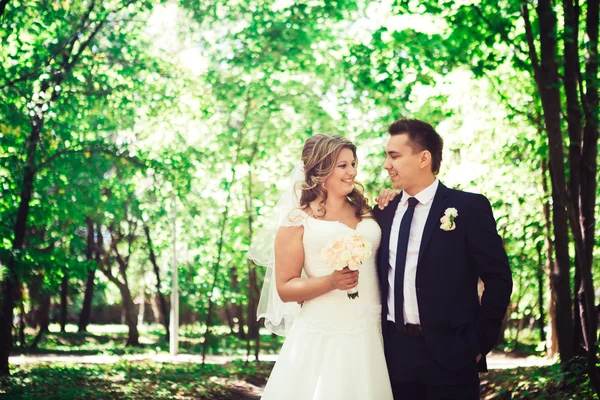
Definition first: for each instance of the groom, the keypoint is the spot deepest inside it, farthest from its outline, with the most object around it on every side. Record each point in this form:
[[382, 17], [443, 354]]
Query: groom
[[436, 244]]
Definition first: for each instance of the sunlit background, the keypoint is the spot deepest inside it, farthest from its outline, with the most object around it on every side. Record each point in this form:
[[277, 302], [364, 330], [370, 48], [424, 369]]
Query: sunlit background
[[152, 131]]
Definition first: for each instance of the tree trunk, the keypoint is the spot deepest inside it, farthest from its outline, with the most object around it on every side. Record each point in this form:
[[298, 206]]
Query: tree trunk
[[64, 289], [43, 316], [253, 291], [229, 315], [540, 280], [11, 280], [552, 342], [128, 306], [520, 293], [86, 309], [578, 340], [583, 173], [253, 297], [589, 180], [22, 324], [155, 309], [162, 303], [40, 306], [552, 337], [127, 300], [133, 339], [142, 307], [237, 312], [34, 289], [217, 264], [548, 84], [574, 125]]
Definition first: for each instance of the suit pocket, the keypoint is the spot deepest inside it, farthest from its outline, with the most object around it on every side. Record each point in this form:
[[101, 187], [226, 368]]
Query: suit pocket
[[467, 339], [462, 319]]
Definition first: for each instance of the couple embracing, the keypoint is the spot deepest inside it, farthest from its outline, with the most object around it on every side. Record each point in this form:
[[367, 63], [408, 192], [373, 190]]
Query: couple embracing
[[418, 328]]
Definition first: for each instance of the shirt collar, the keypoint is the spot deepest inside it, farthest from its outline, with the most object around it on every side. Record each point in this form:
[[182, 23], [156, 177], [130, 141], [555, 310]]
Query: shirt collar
[[424, 196]]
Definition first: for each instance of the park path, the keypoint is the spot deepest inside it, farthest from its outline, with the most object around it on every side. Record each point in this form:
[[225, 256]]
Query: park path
[[495, 360]]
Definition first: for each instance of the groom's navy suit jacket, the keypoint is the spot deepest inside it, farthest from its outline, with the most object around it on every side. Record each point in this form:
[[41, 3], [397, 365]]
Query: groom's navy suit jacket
[[456, 326]]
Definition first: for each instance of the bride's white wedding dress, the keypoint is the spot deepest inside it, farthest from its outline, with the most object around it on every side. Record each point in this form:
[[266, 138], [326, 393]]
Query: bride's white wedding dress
[[334, 349]]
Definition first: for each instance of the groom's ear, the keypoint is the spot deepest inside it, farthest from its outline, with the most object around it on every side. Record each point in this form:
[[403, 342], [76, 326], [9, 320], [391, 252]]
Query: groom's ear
[[425, 159]]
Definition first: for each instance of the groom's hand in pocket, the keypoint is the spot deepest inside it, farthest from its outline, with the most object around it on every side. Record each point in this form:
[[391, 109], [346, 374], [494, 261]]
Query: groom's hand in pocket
[[344, 279]]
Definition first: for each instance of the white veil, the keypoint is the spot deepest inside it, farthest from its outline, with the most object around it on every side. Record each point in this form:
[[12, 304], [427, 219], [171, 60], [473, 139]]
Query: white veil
[[279, 316]]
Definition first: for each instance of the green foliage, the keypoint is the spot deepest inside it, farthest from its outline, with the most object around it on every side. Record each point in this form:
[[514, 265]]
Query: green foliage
[[536, 383]]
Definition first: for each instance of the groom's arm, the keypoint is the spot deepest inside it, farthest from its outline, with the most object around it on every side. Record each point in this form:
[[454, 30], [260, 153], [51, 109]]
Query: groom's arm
[[486, 251]]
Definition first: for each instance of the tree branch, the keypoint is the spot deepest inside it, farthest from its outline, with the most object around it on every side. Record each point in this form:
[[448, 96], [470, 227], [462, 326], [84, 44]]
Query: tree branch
[[36, 71], [529, 34], [3, 4], [82, 28], [103, 261], [92, 150], [69, 44]]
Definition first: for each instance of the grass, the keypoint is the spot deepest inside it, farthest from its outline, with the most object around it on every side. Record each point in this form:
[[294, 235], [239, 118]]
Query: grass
[[111, 339], [548, 383], [528, 343], [139, 380], [235, 380]]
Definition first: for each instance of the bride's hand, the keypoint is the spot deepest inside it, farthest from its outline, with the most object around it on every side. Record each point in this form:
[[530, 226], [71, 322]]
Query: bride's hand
[[344, 279], [385, 196]]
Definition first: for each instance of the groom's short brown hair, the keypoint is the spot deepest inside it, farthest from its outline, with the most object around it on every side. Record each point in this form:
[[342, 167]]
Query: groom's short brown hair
[[422, 136]]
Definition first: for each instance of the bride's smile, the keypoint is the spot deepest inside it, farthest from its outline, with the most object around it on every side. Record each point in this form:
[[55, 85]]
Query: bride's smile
[[341, 181]]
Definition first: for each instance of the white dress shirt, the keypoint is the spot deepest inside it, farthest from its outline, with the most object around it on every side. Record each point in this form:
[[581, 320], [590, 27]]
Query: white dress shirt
[[411, 307]]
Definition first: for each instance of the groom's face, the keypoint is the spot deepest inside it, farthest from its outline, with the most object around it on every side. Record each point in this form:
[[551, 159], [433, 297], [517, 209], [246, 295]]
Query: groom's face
[[402, 162]]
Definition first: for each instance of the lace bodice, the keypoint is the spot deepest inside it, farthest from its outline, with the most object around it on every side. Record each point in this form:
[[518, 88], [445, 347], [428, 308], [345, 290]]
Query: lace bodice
[[334, 312]]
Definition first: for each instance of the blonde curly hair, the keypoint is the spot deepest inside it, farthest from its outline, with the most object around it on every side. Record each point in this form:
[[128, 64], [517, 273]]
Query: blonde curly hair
[[319, 155]]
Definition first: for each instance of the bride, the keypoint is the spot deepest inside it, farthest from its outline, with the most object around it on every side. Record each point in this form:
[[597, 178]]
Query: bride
[[334, 346]]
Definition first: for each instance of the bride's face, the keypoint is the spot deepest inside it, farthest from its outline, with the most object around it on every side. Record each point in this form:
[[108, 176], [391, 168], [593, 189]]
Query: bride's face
[[341, 180]]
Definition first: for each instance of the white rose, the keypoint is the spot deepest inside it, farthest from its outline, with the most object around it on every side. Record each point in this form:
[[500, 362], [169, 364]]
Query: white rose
[[451, 212], [447, 225], [345, 256], [358, 252], [353, 265]]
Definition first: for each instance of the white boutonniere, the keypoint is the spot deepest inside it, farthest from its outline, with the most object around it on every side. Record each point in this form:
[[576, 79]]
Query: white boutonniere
[[447, 220]]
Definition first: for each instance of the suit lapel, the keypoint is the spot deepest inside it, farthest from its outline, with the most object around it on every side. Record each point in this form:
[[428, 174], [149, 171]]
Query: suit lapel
[[433, 219]]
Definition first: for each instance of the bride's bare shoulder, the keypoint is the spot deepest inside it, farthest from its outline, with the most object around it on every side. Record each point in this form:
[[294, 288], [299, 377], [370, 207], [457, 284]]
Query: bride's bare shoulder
[[295, 218]]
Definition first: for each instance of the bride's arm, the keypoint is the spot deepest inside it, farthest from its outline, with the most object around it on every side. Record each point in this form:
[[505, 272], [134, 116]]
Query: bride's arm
[[289, 259]]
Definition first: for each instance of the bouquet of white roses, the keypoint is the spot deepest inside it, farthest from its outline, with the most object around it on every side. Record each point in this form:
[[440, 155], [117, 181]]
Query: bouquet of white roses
[[348, 251]]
